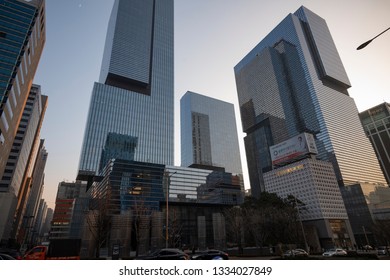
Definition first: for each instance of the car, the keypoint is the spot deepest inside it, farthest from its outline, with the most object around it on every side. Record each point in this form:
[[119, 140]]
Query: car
[[210, 255], [6, 257], [295, 252], [367, 247], [383, 250], [335, 252], [12, 252], [166, 254]]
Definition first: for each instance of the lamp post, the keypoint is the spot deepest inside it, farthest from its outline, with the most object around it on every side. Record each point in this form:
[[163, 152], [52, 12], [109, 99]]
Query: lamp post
[[369, 41], [166, 210]]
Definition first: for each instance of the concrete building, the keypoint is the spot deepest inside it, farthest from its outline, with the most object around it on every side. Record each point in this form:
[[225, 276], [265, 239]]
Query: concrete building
[[314, 183], [35, 196], [21, 45], [17, 179], [72, 203]]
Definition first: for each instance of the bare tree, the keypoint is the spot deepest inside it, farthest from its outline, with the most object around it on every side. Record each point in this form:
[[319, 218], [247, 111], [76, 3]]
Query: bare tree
[[175, 230], [141, 223], [99, 223], [256, 223], [235, 225]]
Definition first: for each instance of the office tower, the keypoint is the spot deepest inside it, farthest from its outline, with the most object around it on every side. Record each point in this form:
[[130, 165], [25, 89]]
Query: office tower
[[376, 124], [293, 81], [22, 37], [35, 194], [208, 133], [16, 182], [48, 216], [71, 203], [36, 233], [134, 96]]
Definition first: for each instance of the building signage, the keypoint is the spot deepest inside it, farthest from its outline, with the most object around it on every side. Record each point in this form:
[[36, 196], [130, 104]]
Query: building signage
[[293, 148]]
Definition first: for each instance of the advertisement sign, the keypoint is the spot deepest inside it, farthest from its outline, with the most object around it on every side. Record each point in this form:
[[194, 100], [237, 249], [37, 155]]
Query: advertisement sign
[[293, 148]]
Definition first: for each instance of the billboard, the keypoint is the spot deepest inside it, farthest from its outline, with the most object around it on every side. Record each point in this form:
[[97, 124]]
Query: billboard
[[293, 148]]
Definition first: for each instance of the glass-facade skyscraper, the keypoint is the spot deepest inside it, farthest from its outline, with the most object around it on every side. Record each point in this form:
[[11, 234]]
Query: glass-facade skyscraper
[[134, 96], [376, 124], [293, 81], [208, 133]]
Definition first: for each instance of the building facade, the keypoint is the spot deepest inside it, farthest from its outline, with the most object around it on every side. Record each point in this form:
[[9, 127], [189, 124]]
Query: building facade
[[208, 133], [17, 179], [134, 96], [72, 202], [292, 82], [376, 124], [135, 203], [314, 183], [31, 226], [22, 37]]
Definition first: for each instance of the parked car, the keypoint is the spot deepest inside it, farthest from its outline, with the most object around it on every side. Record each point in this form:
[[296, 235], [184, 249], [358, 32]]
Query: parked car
[[166, 254], [210, 255], [6, 257], [295, 252], [12, 252], [335, 252], [367, 247], [383, 250]]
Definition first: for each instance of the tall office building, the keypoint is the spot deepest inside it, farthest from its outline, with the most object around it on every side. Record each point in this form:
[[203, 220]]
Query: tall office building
[[22, 37], [18, 177], [209, 133], [69, 212], [376, 124], [134, 97], [35, 194], [293, 81]]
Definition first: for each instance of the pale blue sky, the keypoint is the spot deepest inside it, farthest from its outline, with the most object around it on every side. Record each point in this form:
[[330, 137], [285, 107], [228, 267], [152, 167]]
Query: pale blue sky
[[211, 37]]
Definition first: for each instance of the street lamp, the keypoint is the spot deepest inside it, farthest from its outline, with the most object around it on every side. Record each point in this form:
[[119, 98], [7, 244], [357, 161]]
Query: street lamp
[[369, 41], [167, 213]]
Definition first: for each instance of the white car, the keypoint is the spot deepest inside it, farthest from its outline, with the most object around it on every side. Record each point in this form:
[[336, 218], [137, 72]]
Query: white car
[[335, 252]]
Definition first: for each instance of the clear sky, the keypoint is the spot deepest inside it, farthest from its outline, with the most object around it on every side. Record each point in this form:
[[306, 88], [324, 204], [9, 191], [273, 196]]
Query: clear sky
[[211, 37]]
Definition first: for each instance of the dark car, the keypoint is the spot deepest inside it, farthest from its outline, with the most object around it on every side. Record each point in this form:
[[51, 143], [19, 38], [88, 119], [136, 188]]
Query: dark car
[[295, 253], [6, 257], [11, 252], [210, 255], [166, 254]]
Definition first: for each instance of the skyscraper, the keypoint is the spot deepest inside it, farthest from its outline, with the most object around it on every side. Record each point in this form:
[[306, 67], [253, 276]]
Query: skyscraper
[[376, 124], [22, 37], [35, 196], [134, 97], [18, 177], [293, 81], [208, 133]]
